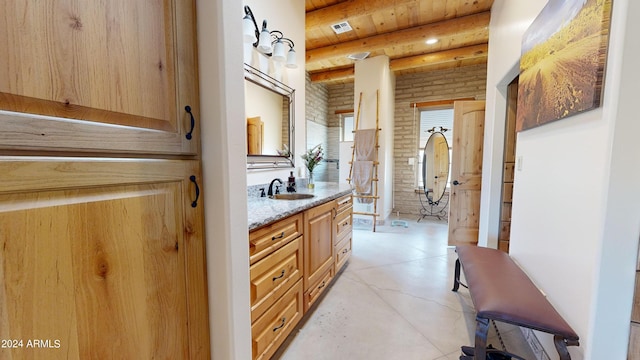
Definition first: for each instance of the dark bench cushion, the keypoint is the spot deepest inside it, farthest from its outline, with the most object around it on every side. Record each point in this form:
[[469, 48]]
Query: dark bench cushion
[[500, 290]]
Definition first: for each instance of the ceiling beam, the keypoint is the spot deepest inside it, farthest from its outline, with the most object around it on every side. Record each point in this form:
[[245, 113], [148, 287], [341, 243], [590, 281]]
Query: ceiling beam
[[463, 53], [441, 57], [350, 9], [333, 75], [471, 24]]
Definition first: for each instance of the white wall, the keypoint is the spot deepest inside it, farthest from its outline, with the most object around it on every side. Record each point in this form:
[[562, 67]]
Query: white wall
[[370, 75], [509, 20], [224, 168], [288, 17], [576, 206]]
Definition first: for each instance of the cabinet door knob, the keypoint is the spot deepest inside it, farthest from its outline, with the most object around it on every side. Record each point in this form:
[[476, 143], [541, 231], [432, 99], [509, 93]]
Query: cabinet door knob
[[193, 122], [193, 180]]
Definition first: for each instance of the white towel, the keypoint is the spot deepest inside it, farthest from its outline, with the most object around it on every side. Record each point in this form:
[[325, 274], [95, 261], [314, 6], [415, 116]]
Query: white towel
[[362, 176], [365, 144]]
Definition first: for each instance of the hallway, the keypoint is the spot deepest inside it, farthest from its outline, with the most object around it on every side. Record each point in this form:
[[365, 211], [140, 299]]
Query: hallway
[[394, 301]]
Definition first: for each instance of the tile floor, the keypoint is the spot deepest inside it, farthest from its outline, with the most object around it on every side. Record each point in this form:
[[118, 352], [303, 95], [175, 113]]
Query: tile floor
[[394, 301]]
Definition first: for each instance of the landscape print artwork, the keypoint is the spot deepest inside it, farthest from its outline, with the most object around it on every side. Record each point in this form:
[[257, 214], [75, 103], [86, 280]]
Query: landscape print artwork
[[563, 61]]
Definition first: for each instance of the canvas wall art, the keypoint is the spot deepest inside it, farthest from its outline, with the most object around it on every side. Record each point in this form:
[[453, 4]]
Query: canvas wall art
[[563, 61]]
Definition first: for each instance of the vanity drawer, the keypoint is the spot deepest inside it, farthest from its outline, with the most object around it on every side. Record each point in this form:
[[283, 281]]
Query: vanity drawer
[[274, 275], [344, 203], [343, 224], [343, 252], [272, 328], [272, 237], [315, 290]]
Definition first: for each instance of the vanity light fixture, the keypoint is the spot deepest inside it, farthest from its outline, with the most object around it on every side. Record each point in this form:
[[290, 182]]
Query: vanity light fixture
[[269, 43]]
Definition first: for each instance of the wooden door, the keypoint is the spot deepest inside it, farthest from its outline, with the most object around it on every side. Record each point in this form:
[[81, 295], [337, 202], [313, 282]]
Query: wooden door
[[509, 165], [318, 247], [466, 172], [128, 63], [104, 259]]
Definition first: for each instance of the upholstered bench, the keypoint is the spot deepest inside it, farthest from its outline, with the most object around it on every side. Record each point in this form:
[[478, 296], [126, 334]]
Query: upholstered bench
[[501, 291]]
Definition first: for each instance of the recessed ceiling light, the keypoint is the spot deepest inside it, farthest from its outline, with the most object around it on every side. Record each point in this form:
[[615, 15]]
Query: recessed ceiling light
[[431, 41]]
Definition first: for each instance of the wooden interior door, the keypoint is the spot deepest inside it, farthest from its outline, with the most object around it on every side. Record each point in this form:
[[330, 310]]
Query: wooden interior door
[[103, 259], [509, 165], [466, 172]]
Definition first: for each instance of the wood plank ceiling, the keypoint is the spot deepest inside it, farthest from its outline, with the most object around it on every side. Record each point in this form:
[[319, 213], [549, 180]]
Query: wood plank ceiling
[[398, 29]]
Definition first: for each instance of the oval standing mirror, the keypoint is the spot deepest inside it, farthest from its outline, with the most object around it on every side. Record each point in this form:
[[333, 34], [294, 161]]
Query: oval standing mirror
[[269, 110], [435, 167]]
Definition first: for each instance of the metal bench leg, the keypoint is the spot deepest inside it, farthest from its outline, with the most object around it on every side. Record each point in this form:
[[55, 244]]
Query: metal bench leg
[[561, 345], [456, 276], [482, 330]]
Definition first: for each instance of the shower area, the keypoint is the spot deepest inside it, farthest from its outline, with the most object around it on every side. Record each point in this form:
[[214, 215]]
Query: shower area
[[329, 108]]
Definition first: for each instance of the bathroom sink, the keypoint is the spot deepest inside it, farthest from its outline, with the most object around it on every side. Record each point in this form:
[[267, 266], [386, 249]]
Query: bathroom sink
[[292, 196]]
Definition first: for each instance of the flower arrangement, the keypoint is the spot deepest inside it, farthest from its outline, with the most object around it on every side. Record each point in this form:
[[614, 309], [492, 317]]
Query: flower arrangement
[[312, 157]]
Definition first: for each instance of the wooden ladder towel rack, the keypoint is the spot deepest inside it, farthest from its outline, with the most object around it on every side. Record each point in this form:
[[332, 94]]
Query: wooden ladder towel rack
[[374, 179]]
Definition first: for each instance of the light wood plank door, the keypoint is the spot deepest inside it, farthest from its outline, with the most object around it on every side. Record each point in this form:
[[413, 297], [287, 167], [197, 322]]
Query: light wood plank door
[[112, 76], [318, 242], [466, 172], [103, 257]]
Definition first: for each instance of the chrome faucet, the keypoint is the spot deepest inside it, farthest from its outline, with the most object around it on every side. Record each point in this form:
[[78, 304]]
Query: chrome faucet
[[270, 191]]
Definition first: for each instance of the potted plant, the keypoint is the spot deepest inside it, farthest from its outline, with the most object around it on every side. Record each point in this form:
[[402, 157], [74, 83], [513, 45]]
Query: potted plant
[[312, 159]]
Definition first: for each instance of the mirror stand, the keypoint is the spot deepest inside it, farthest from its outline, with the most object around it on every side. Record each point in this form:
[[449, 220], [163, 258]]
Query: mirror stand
[[432, 208]]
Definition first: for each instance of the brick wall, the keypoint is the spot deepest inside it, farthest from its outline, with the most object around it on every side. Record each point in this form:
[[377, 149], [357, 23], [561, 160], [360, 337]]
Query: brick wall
[[466, 82], [316, 112], [340, 98], [323, 101]]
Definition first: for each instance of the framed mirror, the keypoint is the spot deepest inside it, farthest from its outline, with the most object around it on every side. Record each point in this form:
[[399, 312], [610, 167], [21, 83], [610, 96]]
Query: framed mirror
[[435, 167], [269, 112]]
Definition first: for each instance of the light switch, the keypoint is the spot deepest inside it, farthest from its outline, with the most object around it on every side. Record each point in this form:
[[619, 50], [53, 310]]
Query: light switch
[[519, 163], [411, 160]]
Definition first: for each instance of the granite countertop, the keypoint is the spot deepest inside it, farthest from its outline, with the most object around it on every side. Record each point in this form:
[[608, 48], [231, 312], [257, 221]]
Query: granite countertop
[[263, 211]]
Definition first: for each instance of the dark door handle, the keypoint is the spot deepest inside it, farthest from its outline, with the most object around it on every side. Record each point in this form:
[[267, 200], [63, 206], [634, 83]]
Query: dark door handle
[[193, 122], [193, 180], [278, 277], [284, 319], [456, 182]]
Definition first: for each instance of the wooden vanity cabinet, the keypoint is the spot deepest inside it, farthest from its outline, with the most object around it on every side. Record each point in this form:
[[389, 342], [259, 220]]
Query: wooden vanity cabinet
[[292, 263], [343, 229], [276, 284], [318, 251], [264, 241]]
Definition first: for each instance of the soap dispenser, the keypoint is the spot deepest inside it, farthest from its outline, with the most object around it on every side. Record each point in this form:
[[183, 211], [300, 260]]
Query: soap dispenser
[[291, 185]]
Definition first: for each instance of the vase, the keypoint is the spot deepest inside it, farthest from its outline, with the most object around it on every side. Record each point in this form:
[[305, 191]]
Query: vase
[[310, 183]]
